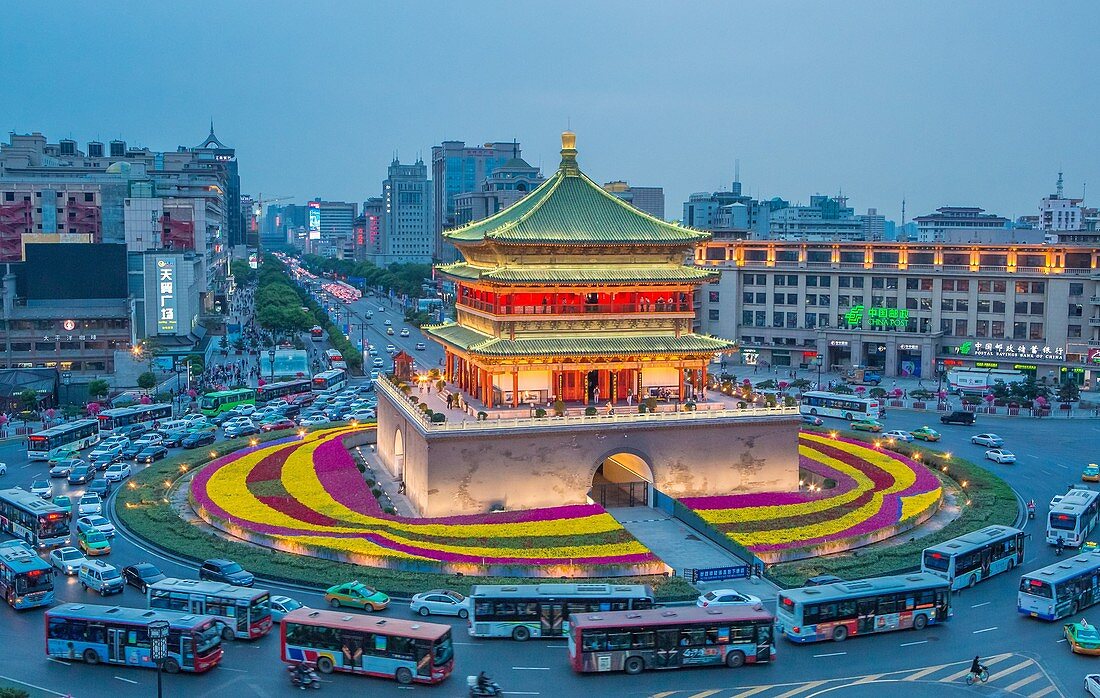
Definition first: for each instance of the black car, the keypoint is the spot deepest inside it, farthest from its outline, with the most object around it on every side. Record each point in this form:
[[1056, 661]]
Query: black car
[[241, 431], [131, 431], [174, 438], [141, 575], [223, 417], [81, 474], [958, 417], [198, 439], [226, 571], [291, 411], [131, 452], [151, 454], [65, 467], [100, 487]]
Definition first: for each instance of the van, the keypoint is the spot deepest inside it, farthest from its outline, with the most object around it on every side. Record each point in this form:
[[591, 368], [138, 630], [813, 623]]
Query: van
[[102, 577], [958, 417], [173, 425]]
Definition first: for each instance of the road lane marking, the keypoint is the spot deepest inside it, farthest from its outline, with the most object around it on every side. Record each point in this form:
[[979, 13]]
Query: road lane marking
[[830, 654], [867, 679], [664, 694], [979, 605], [984, 630], [705, 694], [925, 672], [31, 685], [531, 668], [517, 693], [803, 687], [910, 644], [750, 692], [1023, 682], [1040, 694], [52, 659], [1012, 669], [126, 680], [225, 668], [1060, 641]]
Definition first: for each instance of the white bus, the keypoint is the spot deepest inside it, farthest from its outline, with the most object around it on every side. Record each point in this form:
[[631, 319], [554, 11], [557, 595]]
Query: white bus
[[979, 381], [74, 436], [849, 407], [1073, 517], [523, 611], [975, 557], [1062, 589], [329, 381]]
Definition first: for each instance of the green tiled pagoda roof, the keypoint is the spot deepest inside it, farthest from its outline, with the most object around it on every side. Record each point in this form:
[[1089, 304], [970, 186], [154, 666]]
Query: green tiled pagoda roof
[[486, 345], [655, 273], [571, 209]]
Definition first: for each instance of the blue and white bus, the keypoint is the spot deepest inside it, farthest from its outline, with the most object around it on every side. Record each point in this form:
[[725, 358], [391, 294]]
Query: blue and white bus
[[975, 557], [862, 607], [74, 436], [135, 414], [523, 611], [39, 522], [849, 407], [1062, 589], [1073, 516], [26, 580]]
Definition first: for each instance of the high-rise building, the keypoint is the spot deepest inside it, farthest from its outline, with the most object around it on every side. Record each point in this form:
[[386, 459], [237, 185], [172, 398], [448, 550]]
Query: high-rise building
[[457, 169], [336, 228], [1058, 213], [826, 218], [651, 200], [960, 224], [406, 227], [505, 186], [874, 225]]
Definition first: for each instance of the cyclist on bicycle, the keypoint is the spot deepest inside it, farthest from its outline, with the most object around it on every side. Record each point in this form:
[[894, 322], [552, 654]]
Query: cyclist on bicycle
[[976, 667]]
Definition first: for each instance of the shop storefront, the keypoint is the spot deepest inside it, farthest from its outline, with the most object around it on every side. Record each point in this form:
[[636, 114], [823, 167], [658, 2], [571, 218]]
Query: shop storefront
[[874, 355], [840, 354], [909, 361], [781, 357]]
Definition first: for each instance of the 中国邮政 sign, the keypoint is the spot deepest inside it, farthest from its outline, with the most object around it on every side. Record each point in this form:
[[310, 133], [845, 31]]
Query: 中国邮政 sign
[[877, 316]]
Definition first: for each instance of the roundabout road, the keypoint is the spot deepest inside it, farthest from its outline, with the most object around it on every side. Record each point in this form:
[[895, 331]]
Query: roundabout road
[[1051, 455]]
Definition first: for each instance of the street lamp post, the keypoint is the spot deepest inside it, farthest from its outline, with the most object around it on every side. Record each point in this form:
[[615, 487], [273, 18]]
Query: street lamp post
[[158, 638], [818, 362], [271, 357], [66, 379]]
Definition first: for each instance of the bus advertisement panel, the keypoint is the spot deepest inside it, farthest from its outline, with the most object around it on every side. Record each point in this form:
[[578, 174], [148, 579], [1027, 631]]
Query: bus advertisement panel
[[1062, 589], [975, 557], [880, 604], [39, 522], [667, 638], [522, 611], [118, 635], [244, 612], [74, 436], [408, 651], [26, 580], [850, 407], [1073, 516], [213, 404]]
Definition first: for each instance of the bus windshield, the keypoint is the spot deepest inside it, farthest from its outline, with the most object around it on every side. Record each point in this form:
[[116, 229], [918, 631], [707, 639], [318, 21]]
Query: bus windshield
[[259, 607], [1036, 587], [53, 526], [442, 650], [35, 580], [207, 638], [1063, 522], [936, 561], [207, 403]]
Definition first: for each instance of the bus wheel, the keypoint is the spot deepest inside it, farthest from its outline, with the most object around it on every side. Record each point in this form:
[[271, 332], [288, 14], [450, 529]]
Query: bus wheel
[[227, 633], [521, 633], [848, 415], [735, 659], [171, 666], [920, 622], [90, 657], [404, 676], [324, 665], [972, 582], [840, 633], [633, 665]]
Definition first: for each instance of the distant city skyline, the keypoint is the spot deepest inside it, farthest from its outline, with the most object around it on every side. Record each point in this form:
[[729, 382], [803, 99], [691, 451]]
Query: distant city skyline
[[671, 98]]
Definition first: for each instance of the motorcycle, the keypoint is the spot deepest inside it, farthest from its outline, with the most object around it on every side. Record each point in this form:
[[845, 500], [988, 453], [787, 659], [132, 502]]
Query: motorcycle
[[1059, 547], [1030, 511], [477, 691], [303, 679]]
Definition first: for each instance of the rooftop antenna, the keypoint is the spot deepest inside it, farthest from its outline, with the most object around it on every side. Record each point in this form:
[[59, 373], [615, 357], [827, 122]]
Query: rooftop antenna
[[515, 148], [1059, 184], [737, 170], [903, 209]]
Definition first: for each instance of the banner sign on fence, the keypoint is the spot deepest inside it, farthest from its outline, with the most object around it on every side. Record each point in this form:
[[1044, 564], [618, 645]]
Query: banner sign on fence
[[715, 574]]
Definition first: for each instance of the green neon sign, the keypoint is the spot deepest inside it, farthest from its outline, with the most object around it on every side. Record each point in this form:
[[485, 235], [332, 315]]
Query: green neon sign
[[877, 316]]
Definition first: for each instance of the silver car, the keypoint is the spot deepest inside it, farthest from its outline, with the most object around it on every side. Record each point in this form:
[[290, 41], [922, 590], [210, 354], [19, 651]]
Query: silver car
[[440, 602]]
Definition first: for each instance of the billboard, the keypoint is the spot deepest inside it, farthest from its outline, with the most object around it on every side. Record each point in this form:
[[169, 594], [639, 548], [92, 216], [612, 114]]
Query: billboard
[[91, 270], [167, 322], [314, 220]]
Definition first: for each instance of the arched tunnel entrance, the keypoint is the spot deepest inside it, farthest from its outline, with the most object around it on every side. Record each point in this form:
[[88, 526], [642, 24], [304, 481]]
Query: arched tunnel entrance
[[622, 480]]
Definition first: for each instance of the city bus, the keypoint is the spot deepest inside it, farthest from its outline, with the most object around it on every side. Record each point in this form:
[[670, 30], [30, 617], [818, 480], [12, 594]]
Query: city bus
[[213, 404], [1073, 517], [119, 635], [670, 638], [880, 604], [850, 407], [975, 557], [333, 379], [523, 611], [1062, 589], [244, 612], [26, 580], [317, 334], [408, 651], [136, 414], [40, 522], [285, 390], [332, 355], [74, 436]]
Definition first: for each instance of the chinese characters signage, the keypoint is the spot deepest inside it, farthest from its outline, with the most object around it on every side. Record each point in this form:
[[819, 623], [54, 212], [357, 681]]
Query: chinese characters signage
[[167, 322], [314, 220], [1011, 350], [877, 317]]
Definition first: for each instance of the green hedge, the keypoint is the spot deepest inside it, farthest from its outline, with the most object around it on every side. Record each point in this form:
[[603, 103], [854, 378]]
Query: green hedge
[[141, 507], [987, 500]]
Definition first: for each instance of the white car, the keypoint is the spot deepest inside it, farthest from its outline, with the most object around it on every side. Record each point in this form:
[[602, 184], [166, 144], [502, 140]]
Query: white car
[[373, 350], [117, 472], [360, 416], [1000, 455], [378, 363], [112, 441], [245, 409], [236, 421], [195, 419], [150, 439], [988, 440], [1092, 685], [67, 560], [42, 487], [897, 435], [441, 602], [3, 468], [726, 597], [391, 349], [104, 454], [373, 375], [404, 332], [98, 523], [382, 310], [89, 503], [388, 323], [313, 420]]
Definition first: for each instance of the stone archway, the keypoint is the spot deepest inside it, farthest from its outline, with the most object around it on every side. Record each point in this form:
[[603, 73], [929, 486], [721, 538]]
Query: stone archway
[[622, 479], [399, 454]]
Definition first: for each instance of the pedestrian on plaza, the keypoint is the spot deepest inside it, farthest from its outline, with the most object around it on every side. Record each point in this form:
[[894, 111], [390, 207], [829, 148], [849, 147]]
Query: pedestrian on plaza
[[610, 408], [629, 397], [596, 394]]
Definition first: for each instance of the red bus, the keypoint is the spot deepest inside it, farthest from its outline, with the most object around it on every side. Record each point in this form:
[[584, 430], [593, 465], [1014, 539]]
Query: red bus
[[404, 650], [670, 638]]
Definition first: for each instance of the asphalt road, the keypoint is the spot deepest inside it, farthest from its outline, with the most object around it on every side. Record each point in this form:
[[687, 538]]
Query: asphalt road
[[1051, 455]]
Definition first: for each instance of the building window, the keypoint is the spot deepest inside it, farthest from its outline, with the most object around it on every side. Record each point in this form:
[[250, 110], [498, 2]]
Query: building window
[[713, 295], [777, 319], [824, 299], [792, 319], [962, 305], [997, 329], [822, 320], [746, 318], [960, 328], [1076, 310], [1038, 287], [911, 303], [1037, 308], [1073, 331], [712, 314], [811, 320], [947, 304], [926, 284], [1076, 289], [911, 284], [746, 297], [1020, 307], [777, 298], [1021, 287], [825, 281], [1019, 330], [1035, 330], [982, 329], [761, 318], [811, 299], [878, 282], [984, 306], [811, 280], [962, 285], [999, 307], [761, 298], [945, 326]]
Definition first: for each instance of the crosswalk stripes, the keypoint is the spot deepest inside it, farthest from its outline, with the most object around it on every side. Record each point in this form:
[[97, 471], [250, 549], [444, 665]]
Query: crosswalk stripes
[[1013, 674]]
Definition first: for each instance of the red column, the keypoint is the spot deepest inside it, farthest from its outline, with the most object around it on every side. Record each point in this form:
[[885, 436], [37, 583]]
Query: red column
[[680, 371], [515, 388]]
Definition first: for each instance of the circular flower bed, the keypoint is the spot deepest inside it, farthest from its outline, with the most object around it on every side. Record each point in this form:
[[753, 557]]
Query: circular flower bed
[[305, 495], [878, 494]]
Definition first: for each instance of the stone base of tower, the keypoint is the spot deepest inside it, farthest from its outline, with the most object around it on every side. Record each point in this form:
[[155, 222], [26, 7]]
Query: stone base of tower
[[476, 467]]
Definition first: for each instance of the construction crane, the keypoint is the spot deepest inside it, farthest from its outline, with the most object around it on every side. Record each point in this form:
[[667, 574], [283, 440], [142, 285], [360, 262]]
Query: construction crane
[[258, 206]]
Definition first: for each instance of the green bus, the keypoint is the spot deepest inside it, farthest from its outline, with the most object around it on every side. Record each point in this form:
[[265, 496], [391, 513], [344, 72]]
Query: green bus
[[213, 404]]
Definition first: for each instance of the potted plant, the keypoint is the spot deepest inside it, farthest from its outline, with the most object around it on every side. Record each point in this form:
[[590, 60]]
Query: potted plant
[[590, 411], [559, 408]]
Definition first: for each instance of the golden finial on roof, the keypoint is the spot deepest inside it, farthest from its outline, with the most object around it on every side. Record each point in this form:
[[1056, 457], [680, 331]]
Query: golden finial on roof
[[569, 152]]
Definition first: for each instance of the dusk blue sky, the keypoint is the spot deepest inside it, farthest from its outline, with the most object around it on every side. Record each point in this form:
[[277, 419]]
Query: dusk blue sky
[[942, 102]]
